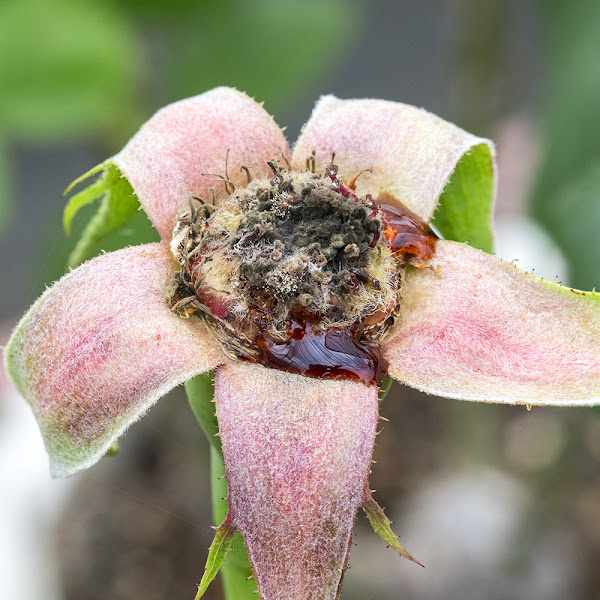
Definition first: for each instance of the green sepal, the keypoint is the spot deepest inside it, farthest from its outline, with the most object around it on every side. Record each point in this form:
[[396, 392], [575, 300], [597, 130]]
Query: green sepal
[[114, 449], [381, 526], [464, 211], [92, 171], [221, 545], [78, 201], [200, 392], [119, 205], [384, 386]]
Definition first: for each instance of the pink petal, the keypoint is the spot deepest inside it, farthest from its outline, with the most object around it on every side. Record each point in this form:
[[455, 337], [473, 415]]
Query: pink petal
[[411, 152], [477, 328], [99, 348], [297, 457], [167, 160]]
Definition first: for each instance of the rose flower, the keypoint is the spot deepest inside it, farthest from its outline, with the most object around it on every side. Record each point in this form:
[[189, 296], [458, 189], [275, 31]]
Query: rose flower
[[300, 278]]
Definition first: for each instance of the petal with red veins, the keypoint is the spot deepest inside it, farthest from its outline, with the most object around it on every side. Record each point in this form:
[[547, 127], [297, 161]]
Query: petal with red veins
[[99, 347], [474, 327], [182, 149], [410, 152], [297, 456]]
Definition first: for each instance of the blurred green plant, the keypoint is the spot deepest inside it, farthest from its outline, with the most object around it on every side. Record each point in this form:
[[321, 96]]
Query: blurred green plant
[[566, 198], [267, 48], [68, 69]]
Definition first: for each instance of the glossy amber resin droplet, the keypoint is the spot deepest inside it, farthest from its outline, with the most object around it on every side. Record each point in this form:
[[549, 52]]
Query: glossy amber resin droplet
[[330, 354], [410, 239]]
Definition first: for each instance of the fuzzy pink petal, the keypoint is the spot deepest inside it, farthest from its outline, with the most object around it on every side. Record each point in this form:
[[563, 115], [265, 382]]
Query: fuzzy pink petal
[[167, 160], [477, 328], [297, 457], [411, 152], [99, 348]]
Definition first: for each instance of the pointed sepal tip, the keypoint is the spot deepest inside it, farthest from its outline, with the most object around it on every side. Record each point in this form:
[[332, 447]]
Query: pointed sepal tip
[[381, 526]]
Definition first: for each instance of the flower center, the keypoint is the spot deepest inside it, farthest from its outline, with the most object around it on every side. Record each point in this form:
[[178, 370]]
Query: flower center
[[296, 273]]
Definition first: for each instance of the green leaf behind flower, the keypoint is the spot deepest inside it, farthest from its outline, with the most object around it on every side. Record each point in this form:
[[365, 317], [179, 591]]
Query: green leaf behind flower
[[464, 212], [119, 205]]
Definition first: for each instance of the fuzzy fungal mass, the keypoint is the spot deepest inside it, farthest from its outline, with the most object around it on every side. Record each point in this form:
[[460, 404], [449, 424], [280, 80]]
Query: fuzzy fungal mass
[[296, 258]]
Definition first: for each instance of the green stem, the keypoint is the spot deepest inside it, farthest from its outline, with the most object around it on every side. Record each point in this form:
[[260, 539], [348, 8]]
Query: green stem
[[236, 573], [238, 582]]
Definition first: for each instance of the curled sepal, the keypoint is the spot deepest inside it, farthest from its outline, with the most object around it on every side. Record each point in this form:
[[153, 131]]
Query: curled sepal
[[119, 204], [297, 457], [474, 327], [381, 526], [221, 545]]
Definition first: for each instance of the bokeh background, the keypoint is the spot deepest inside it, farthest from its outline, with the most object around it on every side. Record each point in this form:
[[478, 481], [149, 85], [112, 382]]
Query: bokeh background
[[498, 502]]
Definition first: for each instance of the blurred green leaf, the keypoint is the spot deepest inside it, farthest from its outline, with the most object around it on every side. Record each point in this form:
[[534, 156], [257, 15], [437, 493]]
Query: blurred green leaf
[[267, 48], [572, 214], [464, 213], [566, 198], [158, 9], [67, 68], [6, 203]]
